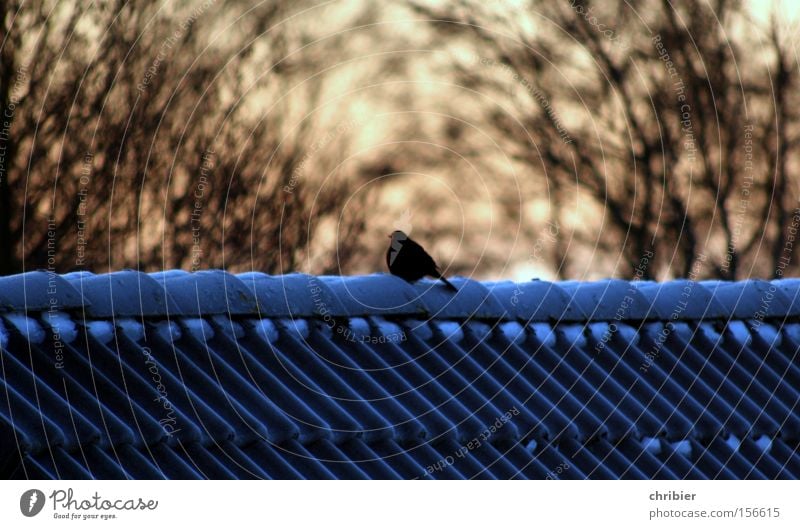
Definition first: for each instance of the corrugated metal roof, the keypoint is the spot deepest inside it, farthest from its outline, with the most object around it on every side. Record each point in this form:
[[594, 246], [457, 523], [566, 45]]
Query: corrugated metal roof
[[215, 375]]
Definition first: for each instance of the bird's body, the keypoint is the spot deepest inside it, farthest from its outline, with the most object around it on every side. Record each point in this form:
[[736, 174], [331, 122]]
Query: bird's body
[[408, 260]]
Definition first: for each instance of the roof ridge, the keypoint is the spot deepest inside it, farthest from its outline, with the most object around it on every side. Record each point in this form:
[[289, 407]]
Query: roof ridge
[[129, 293]]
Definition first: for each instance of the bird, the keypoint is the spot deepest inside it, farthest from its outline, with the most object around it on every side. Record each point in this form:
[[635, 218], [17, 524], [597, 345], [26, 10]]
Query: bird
[[408, 260]]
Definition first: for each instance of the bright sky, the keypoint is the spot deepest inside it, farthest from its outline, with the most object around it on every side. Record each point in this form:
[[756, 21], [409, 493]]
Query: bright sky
[[789, 9]]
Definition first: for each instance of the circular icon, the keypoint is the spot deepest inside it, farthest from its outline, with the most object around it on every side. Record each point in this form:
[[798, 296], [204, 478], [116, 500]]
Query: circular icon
[[31, 502]]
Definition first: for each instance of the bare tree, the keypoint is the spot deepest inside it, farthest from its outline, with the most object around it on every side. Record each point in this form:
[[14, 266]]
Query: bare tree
[[678, 119], [656, 139], [194, 135]]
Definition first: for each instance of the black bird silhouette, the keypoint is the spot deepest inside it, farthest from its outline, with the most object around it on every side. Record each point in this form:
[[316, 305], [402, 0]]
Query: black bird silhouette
[[408, 260]]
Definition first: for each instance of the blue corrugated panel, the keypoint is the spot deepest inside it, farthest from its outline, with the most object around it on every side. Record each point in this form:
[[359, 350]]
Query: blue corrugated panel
[[212, 375], [610, 299], [292, 296], [375, 295], [682, 299], [208, 292], [37, 291], [537, 301], [125, 294]]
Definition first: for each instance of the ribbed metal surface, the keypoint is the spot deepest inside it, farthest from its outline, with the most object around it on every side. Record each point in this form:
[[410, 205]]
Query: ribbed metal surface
[[214, 375]]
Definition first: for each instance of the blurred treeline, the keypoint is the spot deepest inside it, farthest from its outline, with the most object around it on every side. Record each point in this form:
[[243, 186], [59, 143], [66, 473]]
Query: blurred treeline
[[564, 139]]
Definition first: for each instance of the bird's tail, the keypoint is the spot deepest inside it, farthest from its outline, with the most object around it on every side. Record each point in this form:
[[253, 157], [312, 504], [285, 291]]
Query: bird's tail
[[448, 283]]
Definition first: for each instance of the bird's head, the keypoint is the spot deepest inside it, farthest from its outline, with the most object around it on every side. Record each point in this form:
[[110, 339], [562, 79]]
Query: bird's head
[[398, 236]]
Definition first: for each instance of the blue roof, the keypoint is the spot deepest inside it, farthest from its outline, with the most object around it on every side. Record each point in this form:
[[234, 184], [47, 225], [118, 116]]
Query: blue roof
[[216, 375]]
